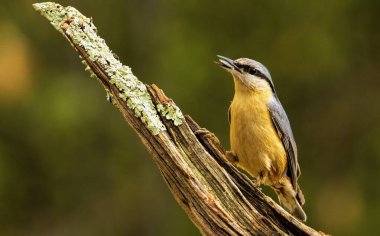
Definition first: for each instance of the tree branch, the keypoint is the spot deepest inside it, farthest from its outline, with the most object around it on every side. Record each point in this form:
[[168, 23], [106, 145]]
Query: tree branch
[[218, 198]]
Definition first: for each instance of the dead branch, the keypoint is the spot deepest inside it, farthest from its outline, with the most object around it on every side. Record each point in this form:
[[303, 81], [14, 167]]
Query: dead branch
[[218, 198]]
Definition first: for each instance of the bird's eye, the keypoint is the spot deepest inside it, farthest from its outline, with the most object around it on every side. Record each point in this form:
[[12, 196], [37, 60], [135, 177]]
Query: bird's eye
[[252, 71]]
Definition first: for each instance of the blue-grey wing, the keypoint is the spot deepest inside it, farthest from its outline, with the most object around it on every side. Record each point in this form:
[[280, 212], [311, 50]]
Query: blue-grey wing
[[281, 123]]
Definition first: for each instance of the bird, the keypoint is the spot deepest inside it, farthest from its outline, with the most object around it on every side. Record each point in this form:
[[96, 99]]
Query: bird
[[261, 138]]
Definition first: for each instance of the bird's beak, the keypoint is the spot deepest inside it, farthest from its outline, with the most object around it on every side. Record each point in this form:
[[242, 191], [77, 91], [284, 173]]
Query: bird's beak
[[228, 64]]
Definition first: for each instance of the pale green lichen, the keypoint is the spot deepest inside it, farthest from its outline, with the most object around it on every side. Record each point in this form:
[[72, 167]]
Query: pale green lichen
[[171, 112], [82, 32]]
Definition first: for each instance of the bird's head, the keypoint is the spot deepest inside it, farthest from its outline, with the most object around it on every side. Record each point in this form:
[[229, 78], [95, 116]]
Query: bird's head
[[248, 72]]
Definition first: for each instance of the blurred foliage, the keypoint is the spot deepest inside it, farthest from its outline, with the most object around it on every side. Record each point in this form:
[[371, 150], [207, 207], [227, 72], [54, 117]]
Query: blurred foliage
[[69, 165]]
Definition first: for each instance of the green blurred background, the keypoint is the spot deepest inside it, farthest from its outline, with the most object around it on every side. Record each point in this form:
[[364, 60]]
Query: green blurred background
[[69, 164]]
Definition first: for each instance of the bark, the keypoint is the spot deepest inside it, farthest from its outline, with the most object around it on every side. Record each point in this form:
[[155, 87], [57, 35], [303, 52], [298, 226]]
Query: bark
[[218, 198]]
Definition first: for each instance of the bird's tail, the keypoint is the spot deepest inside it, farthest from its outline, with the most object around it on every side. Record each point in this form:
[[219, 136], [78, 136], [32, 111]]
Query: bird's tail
[[291, 200]]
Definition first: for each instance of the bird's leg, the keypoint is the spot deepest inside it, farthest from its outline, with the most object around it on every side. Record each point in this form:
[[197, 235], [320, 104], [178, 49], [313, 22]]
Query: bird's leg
[[233, 158], [257, 181]]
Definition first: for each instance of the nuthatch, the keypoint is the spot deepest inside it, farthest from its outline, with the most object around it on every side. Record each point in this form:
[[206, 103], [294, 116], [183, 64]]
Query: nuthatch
[[262, 141]]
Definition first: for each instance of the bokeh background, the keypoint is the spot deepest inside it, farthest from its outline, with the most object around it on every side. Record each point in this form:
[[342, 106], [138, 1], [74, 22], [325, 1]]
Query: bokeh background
[[69, 164]]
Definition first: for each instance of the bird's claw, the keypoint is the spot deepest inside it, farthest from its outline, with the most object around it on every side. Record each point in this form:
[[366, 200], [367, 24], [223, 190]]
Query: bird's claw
[[232, 157], [256, 183]]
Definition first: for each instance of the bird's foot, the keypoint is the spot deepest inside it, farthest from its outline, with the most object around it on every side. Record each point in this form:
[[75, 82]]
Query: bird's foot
[[256, 183], [232, 157]]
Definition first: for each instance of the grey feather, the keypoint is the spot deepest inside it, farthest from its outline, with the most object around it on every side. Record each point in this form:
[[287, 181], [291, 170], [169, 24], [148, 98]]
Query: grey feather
[[281, 123]]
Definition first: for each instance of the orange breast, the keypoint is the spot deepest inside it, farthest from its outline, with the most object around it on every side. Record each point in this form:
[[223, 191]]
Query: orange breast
[[254, 138]]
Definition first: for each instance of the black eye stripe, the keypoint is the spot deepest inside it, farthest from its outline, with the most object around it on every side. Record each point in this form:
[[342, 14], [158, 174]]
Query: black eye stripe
[[251, 70]]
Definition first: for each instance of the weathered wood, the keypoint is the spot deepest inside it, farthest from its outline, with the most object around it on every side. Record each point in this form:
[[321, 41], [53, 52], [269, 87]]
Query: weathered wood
[[218, 198]]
